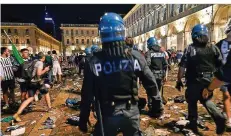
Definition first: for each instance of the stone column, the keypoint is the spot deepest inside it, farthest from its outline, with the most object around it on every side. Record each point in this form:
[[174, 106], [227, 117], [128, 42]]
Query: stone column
[[180, 41], [164, 42]]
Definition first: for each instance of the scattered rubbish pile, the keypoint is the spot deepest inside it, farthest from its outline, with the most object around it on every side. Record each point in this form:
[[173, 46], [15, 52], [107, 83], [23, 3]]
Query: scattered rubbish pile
[[179, 99], [73, 102], [73, 120], [49, 123]]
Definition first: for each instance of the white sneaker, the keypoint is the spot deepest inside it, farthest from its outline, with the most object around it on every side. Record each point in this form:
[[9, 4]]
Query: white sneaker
[[5, 107], [228, 123]]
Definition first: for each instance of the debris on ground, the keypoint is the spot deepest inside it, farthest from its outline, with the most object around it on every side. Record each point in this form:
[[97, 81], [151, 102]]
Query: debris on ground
[[162, 132], [49, 123], [145, 118], [179, 99], [7, 119], [150, 131], [73, 120], [18, 131], [73, 102]]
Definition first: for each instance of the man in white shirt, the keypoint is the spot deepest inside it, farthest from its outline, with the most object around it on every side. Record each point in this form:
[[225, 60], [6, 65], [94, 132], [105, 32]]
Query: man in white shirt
[[56, 67]]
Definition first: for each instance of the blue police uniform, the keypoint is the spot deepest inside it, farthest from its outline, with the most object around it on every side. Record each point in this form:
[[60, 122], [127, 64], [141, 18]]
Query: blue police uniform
[[112, 76], [201, 61], [156, 60]]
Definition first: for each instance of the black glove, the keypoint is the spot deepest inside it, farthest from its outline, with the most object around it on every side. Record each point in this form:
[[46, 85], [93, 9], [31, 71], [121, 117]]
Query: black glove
[[179, 85]]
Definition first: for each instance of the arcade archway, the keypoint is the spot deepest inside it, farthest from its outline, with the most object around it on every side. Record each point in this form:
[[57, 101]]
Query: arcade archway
[[223, 14], [172, 38], [188, 29]]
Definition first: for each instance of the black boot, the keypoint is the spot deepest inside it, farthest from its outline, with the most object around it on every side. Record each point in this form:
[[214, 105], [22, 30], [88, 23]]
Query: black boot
[[193, 126], [221, 126]]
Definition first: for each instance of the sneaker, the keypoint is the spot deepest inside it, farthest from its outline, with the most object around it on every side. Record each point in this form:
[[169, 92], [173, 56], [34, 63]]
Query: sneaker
[[17, 118], [5, 107], [228, 124]]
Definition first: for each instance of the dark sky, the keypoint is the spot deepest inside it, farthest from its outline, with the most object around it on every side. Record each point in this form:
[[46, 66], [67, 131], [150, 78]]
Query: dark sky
[[61, 13]]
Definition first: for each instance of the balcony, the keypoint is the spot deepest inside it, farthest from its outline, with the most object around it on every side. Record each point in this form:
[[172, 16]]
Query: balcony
[[79, 25], [17, 24]]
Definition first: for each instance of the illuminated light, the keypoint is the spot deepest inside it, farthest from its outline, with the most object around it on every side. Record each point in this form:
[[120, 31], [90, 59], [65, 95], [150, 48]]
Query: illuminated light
[[46, 13], [48, 18]]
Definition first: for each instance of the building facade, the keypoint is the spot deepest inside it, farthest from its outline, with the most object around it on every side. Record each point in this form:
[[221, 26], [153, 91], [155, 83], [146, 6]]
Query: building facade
[[76, 37], [28, 35], [172, 23]]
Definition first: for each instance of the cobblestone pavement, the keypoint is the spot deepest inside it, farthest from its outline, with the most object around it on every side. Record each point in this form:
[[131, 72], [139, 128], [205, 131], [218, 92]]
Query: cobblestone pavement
[[62, 112]]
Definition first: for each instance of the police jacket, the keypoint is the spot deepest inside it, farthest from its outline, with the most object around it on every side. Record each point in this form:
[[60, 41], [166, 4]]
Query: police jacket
[[156, 59], [199, 60], [114, 78]]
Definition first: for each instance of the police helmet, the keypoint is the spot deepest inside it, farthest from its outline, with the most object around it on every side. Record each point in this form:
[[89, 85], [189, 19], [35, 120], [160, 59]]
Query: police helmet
[[199, 30], [88, 50], [94, 48], [111, 28], [152, 41]]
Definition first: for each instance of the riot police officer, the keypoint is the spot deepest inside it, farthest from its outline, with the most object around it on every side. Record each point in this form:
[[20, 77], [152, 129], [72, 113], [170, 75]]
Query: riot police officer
[[200, 60], [112, 80], [156, 61], [95, 48]]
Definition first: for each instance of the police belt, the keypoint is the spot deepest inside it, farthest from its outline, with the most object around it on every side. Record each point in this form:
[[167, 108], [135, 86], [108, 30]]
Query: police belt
[[206, 74], [119, 102], [158, 74]]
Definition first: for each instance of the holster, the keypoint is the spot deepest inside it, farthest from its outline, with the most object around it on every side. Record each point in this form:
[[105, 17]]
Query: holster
[[205, 78], [159, 74]]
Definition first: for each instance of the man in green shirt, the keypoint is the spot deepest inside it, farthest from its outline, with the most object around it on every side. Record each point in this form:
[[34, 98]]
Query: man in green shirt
[[49, 62]]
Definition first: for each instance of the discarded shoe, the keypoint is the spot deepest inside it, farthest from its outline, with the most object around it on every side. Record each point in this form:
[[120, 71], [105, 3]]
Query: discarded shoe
[[74, 120], [17, 118]]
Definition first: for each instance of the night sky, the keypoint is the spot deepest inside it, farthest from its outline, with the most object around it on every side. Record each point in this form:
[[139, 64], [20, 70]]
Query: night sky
[[61, 13]]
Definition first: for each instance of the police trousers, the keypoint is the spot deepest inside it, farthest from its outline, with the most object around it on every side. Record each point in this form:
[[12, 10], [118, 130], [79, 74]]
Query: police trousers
[[193, 94], [118, 119]]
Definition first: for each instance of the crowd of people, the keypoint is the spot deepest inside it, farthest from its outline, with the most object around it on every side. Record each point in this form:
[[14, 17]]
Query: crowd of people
[[112, 75]]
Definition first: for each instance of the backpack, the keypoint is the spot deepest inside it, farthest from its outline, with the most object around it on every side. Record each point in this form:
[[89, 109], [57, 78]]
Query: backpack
[[27, 69]]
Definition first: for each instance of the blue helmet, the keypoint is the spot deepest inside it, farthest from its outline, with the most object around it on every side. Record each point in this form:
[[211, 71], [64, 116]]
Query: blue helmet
[[88, 50], [152, 41], [111, 28], [94, 48], [199, 30]]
